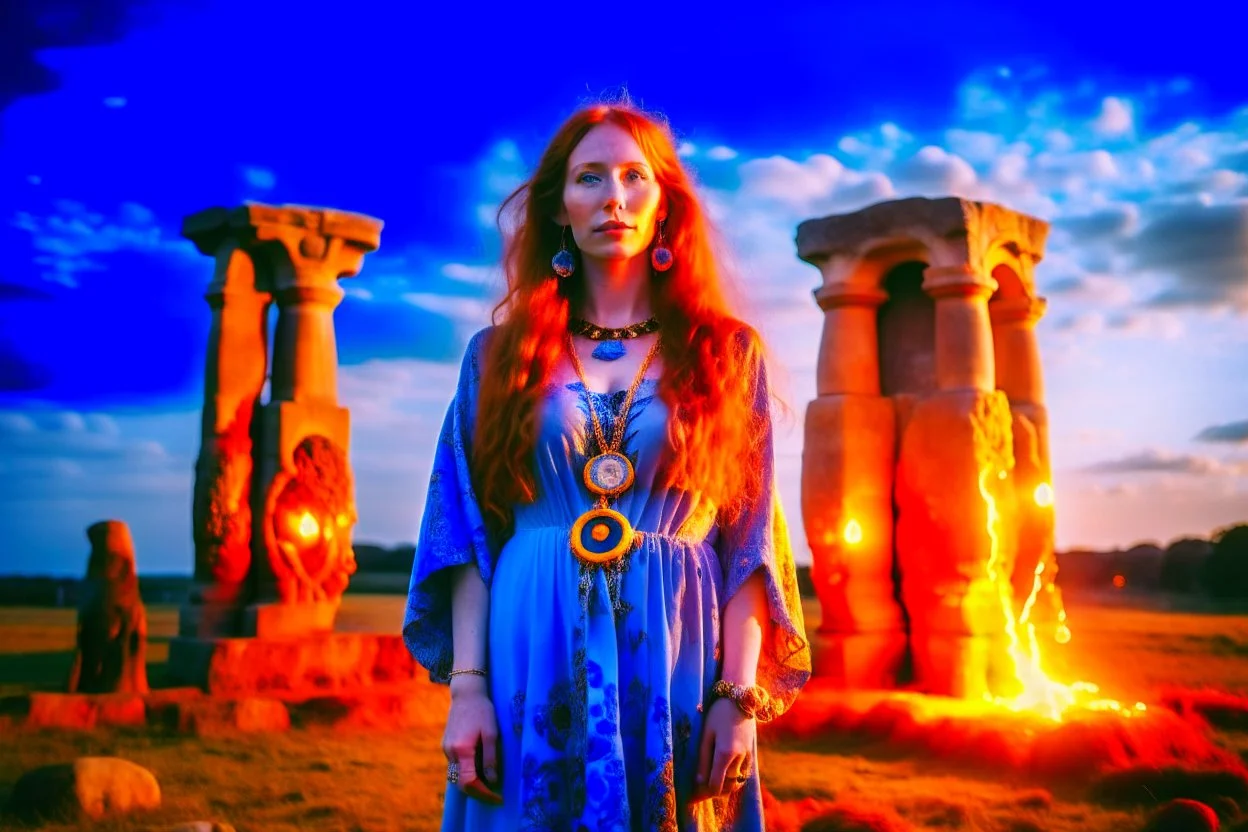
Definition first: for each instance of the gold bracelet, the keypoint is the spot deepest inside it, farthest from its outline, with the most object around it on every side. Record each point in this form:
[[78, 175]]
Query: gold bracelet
[[471, 671], [751, 700]]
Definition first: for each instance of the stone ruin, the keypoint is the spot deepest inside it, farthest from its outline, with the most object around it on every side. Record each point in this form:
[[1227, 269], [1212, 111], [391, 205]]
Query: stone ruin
[[926, 490], [273, 506], [111, 654]]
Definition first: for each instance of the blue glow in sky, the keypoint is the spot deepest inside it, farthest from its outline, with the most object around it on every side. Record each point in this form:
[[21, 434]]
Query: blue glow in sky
[[1129, 133]]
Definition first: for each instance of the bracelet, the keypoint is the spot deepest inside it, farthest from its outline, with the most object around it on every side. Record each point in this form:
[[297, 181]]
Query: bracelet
[[471, 671], [751, 700]]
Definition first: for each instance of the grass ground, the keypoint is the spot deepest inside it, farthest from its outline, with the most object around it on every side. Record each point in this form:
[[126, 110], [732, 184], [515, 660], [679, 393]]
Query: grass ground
[[318, 779]]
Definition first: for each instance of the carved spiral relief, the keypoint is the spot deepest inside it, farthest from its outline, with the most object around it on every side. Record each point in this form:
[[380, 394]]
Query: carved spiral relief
[[308, 528]]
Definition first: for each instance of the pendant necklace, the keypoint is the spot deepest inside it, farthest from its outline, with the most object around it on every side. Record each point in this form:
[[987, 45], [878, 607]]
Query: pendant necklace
[[602, 535], [612, 346]]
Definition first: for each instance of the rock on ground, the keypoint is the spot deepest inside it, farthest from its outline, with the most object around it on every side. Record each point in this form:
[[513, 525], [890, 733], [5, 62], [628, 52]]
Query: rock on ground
[[94, 787]]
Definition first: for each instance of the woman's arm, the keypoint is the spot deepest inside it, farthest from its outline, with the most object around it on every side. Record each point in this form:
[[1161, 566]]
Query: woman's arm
[[745, 616], [471, 723], [470, 616]]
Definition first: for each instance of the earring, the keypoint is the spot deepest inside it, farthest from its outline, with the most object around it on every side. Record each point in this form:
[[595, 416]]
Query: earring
[[661, 256], [563, 262]]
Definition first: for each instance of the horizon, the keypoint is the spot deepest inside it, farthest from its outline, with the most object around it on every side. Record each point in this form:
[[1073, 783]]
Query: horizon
[[1134, 148]]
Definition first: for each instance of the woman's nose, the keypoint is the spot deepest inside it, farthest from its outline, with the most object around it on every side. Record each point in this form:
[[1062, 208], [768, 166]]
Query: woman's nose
[[615, 195]]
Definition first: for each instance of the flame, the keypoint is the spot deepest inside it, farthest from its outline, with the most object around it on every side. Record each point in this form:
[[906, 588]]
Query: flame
[[1039, 694], [853, 532], [308, 527]]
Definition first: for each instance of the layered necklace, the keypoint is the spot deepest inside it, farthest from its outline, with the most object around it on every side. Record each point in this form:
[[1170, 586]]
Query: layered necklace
[[612, 346], [602, 535]]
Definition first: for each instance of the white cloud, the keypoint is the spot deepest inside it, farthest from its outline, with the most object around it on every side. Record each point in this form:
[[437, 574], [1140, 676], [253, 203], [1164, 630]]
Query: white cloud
[[260, 178], [1115, 119], [468, 313], [487, 275], [933, 171], [720, 153], [69, 239]]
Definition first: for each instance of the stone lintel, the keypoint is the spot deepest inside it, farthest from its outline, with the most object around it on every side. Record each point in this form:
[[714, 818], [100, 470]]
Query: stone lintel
[[945, 218], [255, 220]]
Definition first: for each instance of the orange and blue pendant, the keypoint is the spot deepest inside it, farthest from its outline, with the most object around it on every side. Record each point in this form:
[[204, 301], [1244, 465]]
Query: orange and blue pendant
[[601, 535]]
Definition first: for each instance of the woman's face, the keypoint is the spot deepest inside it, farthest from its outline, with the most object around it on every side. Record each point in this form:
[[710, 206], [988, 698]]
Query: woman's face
[[611, 199]]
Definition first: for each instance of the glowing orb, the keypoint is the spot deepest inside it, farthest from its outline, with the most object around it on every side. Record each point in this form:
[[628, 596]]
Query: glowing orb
[[1043, 495], [853, 532], [1120, 581], [308, 527]]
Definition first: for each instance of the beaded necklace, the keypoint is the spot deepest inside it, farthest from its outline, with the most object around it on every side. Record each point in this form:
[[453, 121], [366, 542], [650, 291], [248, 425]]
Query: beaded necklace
[[602, 535]]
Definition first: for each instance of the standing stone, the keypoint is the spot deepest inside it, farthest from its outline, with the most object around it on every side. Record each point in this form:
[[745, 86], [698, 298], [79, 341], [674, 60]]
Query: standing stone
[[925, 483], [112, 622]]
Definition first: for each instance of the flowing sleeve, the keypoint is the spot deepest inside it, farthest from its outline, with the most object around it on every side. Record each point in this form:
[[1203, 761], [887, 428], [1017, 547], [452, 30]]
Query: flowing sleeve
[[452, 530], [757, 539]]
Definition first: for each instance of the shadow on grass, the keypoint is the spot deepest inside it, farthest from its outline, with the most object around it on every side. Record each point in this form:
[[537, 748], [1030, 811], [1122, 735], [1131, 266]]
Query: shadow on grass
[[48, 671]]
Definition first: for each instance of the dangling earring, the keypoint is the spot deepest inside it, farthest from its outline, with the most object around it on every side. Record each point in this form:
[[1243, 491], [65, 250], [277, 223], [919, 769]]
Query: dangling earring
[[563, 262], [661, 256]]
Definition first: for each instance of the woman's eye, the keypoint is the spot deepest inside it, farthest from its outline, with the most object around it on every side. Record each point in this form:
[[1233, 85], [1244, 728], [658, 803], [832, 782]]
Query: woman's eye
[[638, 174], [585, 177]]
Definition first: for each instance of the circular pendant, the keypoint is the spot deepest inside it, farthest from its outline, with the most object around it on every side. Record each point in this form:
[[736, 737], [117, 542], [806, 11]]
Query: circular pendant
[[609, 474], [601, 535]]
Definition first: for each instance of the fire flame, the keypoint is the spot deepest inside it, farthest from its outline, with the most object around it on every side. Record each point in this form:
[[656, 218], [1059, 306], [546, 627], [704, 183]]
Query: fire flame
[[853, 532], [1039, 693]]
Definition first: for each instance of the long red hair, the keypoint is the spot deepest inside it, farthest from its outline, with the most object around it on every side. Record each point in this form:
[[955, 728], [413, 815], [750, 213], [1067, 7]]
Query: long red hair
[[707, 353]]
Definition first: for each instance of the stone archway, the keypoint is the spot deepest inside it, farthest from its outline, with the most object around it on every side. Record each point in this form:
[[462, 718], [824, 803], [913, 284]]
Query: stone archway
[[906, 324]]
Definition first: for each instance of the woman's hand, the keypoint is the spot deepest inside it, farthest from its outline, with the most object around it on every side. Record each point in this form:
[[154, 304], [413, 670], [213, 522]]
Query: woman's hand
[[472, 728], [727, 750]]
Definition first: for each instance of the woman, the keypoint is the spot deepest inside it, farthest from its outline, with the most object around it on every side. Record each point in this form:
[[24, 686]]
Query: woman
[[603, 574]]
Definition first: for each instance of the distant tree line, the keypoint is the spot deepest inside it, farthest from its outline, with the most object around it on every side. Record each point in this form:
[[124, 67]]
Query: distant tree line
[[1217, 567]]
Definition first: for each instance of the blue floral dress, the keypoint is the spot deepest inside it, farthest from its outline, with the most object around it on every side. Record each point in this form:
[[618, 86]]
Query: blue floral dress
[[599, 675]]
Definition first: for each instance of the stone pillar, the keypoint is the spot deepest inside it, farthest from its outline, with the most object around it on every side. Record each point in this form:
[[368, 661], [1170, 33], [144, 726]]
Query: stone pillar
[[954, 541], [964, 354], [1017, 353], [955, 492], [234, 374], [304, 505], [847, 498], [296, 508], [1037, 597]]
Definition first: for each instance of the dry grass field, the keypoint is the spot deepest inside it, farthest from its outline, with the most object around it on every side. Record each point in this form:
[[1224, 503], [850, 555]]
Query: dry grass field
[[319, 779]]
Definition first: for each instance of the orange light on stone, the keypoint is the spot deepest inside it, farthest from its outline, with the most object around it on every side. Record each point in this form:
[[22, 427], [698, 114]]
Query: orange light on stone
[[1039, 693], [308, 527], [1043, 495], [853, 532], [600, 532]]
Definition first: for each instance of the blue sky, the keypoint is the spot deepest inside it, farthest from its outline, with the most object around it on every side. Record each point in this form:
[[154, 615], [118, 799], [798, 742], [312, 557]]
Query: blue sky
[[1128, 133]]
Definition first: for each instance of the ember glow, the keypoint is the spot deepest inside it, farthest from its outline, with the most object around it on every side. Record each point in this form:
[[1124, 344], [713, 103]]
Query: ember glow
[[853, 532], [1039, 693]]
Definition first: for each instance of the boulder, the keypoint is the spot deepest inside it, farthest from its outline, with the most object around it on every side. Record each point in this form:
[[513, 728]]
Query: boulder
[[89, 787]]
